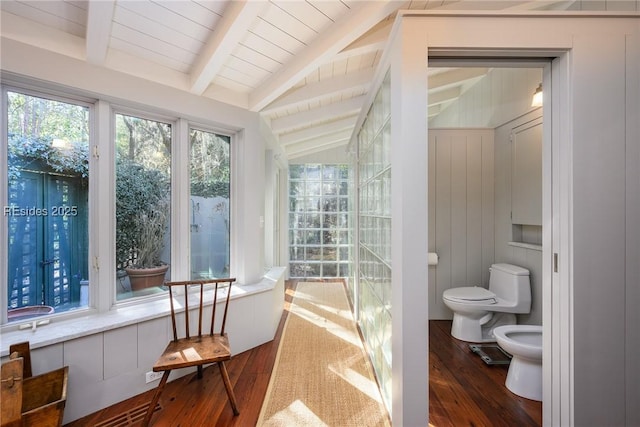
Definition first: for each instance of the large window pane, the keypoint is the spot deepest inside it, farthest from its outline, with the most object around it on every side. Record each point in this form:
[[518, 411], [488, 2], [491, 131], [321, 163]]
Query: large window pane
[[143, 205], [210, 203], [48, 177], [314, 212]]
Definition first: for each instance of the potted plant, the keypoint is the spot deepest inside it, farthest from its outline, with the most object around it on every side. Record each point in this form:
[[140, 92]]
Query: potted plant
[[142, 220]]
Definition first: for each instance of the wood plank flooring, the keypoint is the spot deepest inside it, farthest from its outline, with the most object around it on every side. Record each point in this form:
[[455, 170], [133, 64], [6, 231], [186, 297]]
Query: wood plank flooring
[[463, 391]]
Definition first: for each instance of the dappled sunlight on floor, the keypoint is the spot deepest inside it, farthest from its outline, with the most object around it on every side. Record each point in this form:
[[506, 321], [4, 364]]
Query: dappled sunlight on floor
[[322, 322], [296, 414], [363, 384]]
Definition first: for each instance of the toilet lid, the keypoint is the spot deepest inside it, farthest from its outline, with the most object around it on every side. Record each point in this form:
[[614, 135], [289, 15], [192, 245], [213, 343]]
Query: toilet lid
[[471, 293]]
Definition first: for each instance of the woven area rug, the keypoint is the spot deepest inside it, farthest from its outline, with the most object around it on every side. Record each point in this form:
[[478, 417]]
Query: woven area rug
[[322, 376]]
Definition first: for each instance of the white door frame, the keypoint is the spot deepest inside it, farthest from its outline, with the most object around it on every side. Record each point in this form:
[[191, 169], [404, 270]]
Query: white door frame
[[440, 39], [555, 339]]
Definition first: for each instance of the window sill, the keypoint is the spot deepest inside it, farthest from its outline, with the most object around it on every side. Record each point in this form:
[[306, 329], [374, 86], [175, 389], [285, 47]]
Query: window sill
[[57, 331]]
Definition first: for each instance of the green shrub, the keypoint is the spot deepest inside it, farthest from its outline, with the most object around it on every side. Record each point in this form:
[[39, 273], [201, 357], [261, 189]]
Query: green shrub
[[142, 214]]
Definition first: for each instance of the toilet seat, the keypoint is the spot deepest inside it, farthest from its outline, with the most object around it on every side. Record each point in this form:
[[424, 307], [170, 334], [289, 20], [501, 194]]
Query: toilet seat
[[470, 295]]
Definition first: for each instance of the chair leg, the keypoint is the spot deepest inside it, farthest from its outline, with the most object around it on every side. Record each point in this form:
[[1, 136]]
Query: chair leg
[[156, 397], [227, 385], [199, 371]]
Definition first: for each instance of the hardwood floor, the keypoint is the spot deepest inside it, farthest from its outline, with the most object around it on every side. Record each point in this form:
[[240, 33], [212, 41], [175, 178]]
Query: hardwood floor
[[463, 391]]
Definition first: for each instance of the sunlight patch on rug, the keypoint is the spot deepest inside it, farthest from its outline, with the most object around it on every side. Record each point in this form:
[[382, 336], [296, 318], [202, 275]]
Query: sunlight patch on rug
[[322, 375]]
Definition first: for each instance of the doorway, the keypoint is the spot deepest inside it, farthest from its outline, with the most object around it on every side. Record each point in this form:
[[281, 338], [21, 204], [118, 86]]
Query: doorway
[[485, 179]]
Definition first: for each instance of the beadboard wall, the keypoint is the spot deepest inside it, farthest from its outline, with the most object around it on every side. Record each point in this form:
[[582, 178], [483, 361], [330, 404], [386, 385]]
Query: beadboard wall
[[470, 180]]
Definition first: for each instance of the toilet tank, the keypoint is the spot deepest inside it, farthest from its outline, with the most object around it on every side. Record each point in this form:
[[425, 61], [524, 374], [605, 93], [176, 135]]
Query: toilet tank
[[511, 284]]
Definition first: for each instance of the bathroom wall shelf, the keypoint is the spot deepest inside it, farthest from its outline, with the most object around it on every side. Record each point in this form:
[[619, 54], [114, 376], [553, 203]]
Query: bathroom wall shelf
[[526, 245]]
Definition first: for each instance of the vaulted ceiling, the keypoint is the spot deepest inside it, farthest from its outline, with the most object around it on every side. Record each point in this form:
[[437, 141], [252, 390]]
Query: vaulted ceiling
[[306, 66]]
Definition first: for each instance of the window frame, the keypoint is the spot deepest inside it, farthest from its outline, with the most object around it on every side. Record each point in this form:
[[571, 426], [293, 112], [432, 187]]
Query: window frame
[[56, 96], [101, 199], [124, 110], [198, 126]]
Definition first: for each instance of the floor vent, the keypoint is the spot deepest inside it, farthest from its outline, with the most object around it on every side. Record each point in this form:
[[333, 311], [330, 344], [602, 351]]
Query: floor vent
[[129, 418], [491, 354]]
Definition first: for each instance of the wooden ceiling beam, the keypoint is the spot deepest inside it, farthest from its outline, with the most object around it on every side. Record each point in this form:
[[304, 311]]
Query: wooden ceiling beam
[[317, 115], [324, 89], [313, 132], [321, 139], [99, 22], [236, 21], [343, 32], [313, 147], [372, 41]]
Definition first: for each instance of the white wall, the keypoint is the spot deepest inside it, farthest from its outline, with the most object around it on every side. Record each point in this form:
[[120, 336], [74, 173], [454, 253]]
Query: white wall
[[461, 211], [632, 227], [594, 128], [409, 224], [605, 108]]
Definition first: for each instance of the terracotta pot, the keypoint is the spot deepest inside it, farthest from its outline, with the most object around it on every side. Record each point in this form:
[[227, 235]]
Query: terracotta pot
[[142, 278]]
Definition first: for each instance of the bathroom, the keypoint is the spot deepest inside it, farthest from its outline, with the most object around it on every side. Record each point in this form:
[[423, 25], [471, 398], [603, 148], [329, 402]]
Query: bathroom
[[485, 197]]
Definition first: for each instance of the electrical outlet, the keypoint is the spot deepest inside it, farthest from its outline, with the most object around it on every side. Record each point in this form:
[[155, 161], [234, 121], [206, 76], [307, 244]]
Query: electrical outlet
[[152, 376]]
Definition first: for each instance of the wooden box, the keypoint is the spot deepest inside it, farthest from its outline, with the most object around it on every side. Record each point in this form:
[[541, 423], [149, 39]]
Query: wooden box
[[40, 399], [44, 397]]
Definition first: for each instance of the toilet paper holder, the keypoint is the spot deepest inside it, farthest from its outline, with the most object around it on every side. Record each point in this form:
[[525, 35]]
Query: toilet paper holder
[[432, 259]]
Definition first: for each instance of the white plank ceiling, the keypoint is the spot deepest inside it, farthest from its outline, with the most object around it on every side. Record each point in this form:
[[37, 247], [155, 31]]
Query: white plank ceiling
[[305, 65]]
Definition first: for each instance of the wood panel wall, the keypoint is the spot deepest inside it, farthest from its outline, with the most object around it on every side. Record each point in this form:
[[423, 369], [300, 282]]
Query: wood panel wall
[[528, 258], [461, 211]]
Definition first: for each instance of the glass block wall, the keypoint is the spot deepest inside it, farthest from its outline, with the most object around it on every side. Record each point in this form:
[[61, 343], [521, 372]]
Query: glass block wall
[[353, 202], [374, 246], [319, 242]]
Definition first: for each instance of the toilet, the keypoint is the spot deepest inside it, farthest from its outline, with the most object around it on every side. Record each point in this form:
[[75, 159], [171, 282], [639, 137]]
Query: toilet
[[477, 311], [524, 344]]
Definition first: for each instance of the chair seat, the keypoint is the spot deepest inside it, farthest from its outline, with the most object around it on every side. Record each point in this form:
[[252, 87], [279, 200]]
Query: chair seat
[[194, 351]]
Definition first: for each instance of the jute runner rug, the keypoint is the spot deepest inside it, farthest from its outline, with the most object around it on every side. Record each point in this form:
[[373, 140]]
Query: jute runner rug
[[322, 376]]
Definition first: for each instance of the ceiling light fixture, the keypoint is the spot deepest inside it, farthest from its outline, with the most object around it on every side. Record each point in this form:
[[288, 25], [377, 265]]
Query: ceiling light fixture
[[536, 101]]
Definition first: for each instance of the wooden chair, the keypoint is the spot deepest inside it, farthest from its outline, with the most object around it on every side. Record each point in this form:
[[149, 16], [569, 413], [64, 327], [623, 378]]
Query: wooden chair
[[195, 350]]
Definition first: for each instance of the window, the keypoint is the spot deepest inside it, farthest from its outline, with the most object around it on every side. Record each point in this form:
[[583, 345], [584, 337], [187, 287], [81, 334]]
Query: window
[[143, 204], [56, 245], [210, 207], [47, 206], [319, 220]]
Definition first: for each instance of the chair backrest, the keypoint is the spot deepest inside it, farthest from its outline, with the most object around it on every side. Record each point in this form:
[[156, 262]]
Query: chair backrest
[[215, 284]]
